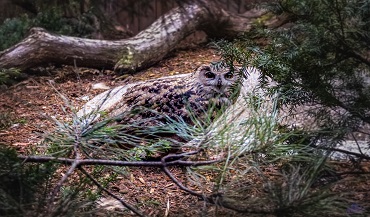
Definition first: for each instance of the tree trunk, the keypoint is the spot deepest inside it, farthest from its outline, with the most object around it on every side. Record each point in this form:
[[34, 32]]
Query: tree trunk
[[146, 48]]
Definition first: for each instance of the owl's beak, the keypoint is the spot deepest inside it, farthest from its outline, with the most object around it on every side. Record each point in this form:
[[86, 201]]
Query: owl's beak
[[219, 83]]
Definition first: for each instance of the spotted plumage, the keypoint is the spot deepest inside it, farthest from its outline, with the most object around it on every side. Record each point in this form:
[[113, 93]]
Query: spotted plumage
[[180, 97]]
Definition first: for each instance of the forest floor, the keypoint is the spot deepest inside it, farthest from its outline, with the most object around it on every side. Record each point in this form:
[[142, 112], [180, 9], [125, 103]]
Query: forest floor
[[26, 109]]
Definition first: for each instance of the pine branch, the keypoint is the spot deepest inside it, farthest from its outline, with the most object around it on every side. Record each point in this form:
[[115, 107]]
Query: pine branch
[[70, 171]]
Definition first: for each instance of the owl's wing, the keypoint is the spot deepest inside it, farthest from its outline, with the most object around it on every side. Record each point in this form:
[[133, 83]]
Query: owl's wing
[[165, 97]]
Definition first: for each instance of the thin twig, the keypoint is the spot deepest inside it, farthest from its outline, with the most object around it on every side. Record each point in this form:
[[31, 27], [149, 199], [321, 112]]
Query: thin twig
[[63, 179], [358, 146], [363, 156], [352, 173], [69, 161], [74, 165], [181, 186], [168, 160], [124, 203], [177, 182]]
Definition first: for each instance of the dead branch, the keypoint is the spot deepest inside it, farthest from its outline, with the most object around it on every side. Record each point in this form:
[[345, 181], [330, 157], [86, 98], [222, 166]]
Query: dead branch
[[177, 182], [77, 163], [70, 171], [81, 162], [146, 48]]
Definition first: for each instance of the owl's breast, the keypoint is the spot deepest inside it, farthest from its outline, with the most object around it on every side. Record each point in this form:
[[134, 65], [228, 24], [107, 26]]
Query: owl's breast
[[173, 98]]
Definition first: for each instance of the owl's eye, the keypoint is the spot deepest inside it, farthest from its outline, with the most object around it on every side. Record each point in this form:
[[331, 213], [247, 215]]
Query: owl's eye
[[210, 74], [229, 75]]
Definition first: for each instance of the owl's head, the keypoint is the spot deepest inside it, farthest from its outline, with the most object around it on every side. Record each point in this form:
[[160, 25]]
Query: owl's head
[[217, 79], [216, 82]]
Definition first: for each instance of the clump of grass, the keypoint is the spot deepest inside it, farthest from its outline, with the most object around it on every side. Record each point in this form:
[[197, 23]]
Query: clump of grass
[[9, 76], [6, 120]]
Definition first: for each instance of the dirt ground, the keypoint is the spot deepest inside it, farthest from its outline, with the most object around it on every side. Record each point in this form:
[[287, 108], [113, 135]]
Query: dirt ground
[[30, 103], [27, 108]]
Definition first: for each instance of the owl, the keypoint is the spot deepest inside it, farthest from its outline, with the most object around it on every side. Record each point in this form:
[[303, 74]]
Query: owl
[[148, 111], [205, 92]]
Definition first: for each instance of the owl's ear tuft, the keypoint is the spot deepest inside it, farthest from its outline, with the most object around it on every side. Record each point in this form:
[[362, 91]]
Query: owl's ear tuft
[[204, 68]]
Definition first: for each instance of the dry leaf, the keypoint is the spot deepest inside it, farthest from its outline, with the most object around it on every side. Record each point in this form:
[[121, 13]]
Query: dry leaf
[[141, 180], [167, 207], [100, 86]]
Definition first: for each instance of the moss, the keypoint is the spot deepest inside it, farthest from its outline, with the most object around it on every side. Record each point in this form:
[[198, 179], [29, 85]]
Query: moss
[[127, 60], [9, 76], [263, 20]]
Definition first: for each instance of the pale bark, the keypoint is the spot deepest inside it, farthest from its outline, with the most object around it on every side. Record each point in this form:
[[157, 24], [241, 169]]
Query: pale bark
[[146, 48]]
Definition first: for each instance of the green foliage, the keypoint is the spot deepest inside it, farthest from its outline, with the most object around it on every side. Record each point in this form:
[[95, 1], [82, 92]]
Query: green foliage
[[26, 189], [137, 140], [250, 141], [150, 150], [9, 76], [297, 193], [259, 155], [13, 30], [6, 120], [21, 185], [52, 19], [325, 55], [322, 58]]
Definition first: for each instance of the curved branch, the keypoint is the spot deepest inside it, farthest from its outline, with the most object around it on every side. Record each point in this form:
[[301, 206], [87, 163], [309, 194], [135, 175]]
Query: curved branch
[[146, 48], [169, 160]]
